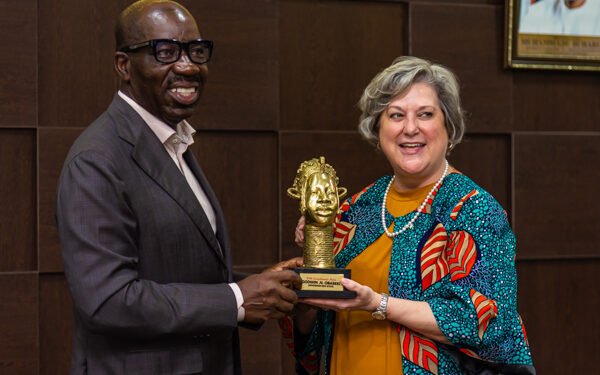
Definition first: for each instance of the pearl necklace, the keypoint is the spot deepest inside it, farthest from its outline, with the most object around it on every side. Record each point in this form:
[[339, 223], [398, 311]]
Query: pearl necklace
[[408, 225]]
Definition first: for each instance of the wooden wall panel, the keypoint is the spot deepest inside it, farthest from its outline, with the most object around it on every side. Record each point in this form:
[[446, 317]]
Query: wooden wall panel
[[555, 179], [556, 101], [76, 78], [18, 82], [53, 144], [486, 159], [243, 84], [330, 52], [17, 199], [56, 314], [559, 306], [356, 162], [19, 348], [242, 169], [469, 40]]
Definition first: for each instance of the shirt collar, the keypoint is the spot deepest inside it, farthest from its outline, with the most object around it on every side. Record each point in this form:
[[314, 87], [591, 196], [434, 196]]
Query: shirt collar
[[163, 131]]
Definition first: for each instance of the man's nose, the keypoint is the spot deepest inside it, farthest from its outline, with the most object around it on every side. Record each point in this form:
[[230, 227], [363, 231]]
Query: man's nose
[[186, 66]]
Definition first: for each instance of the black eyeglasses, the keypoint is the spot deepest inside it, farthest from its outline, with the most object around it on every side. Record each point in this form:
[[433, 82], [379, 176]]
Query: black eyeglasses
[[167, 51]]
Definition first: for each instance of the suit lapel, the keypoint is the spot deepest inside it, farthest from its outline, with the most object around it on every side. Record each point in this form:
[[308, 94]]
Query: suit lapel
[[152, 157], [222, 236]]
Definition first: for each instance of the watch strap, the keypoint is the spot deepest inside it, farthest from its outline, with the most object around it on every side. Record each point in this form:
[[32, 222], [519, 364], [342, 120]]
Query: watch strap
[[381, 312]]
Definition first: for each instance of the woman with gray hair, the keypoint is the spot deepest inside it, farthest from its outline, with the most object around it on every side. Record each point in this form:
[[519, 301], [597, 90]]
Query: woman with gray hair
[[431, 252]]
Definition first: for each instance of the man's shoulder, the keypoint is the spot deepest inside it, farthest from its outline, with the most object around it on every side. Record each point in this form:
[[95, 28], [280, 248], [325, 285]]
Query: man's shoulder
[[101, 136], [100, 133]]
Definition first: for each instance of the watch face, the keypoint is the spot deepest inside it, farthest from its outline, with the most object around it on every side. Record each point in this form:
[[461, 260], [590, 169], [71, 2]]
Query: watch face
[[379, 315]]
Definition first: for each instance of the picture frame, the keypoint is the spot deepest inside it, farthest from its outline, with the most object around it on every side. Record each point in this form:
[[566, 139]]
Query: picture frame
[[553, 34]]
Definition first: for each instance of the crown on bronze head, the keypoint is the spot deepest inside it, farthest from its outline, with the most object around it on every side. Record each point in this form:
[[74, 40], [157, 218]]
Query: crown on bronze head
[[307, 169]]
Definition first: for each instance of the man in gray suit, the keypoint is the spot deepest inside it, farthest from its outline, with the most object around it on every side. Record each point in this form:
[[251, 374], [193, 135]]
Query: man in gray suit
[[143, 238]]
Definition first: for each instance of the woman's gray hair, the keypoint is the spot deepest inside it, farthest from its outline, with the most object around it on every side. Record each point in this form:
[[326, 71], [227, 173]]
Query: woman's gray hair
[[404, 72]]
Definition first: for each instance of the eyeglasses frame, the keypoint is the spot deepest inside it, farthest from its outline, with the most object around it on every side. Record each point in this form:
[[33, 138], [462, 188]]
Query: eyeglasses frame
[[182, 46]]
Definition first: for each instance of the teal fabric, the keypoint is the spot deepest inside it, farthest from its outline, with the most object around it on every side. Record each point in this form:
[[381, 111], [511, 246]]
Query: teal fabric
[[493, 273]]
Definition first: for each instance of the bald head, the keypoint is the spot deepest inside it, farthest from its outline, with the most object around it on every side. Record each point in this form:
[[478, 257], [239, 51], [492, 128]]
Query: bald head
[[131, 26], [147, 29]]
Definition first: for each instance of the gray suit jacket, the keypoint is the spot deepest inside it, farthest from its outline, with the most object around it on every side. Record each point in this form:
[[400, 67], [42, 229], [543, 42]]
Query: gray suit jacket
[[146, 272]]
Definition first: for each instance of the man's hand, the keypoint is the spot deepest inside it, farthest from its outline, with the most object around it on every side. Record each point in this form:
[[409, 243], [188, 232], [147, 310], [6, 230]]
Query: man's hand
[[286, 265], [266, 296]]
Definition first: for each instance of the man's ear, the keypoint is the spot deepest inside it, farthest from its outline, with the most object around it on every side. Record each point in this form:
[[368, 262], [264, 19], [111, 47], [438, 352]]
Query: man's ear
[[122, 66]]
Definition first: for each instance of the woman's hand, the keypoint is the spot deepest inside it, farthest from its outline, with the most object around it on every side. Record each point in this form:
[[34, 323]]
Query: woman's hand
[[366, 299], [415, 315], [299, 233]]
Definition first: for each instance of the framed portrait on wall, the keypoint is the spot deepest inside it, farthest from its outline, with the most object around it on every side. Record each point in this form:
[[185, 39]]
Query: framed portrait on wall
[[553, 34]]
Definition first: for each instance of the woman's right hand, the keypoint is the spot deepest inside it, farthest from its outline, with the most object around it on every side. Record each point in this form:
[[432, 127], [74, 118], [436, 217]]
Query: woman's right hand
[[299, 233]]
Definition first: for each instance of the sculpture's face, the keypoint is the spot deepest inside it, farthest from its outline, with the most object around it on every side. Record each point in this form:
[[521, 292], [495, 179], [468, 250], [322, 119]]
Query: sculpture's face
[[321, 199]]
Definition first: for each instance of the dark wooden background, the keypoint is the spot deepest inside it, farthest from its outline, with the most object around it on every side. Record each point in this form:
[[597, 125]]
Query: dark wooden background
[[283, 87]]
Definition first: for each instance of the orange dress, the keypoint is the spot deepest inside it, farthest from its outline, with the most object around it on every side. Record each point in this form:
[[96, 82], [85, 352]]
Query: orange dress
[[361, 344]]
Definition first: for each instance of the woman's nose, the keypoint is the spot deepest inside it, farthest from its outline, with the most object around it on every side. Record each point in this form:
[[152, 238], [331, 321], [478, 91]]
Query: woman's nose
[[412, 125]]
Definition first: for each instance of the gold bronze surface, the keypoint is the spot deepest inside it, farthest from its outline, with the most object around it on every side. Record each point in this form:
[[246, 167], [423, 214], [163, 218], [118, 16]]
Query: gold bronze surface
[[316, 187], [318, 247]]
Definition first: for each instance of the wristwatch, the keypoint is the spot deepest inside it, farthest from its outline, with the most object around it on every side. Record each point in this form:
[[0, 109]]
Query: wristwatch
[[380, 313]]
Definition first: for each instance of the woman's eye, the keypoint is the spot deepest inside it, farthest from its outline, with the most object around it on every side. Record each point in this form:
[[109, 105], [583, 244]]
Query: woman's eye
[[396, 115], [426, 114]]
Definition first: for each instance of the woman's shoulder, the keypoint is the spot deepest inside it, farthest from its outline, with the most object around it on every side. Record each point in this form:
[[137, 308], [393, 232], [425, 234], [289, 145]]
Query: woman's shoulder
[[372, 191], [458, 186], [463, 201]]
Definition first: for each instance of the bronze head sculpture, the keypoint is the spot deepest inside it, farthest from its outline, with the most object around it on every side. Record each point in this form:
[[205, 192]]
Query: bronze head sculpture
[[316, 187]]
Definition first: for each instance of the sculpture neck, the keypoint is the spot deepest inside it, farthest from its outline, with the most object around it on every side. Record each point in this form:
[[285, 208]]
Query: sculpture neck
[[318, 246]]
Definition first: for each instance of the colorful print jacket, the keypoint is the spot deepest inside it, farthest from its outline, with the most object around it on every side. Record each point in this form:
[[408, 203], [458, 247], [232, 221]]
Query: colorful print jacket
[[459, 257]]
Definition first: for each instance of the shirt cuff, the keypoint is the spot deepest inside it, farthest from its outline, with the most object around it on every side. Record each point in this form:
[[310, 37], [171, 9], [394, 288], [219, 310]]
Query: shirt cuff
[[239, 298]]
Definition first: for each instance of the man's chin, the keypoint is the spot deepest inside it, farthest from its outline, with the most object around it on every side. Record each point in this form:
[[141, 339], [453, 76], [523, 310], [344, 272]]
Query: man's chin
[[175, 116]]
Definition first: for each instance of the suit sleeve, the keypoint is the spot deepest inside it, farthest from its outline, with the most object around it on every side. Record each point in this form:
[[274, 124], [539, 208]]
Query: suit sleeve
[[97, 229]]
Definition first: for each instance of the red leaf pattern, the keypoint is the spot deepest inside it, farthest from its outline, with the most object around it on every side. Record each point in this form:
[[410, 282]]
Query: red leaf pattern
[[461, 254], [419, 350], [433, 262], [459, 205], [487, 309], [344, 232]]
